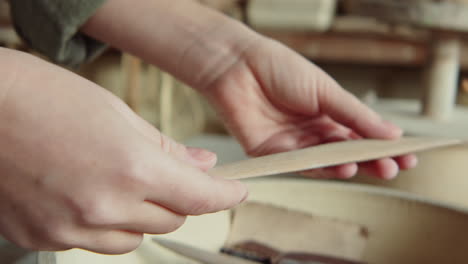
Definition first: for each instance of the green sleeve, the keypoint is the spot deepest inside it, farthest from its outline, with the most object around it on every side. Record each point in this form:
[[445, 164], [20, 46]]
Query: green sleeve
[[51, 27]]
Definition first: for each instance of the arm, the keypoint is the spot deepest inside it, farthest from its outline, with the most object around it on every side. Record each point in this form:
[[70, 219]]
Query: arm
[[50, 27], [193, 42]]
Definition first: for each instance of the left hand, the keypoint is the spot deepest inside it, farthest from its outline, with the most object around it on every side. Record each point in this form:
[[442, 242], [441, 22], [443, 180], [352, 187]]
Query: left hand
[[274, 100]]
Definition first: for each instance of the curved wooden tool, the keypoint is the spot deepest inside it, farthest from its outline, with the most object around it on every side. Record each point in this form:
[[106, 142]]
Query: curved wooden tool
[[327, 155]]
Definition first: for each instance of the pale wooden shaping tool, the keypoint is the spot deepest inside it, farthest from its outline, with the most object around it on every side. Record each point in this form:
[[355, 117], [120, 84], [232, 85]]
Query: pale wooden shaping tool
[[327, 155]]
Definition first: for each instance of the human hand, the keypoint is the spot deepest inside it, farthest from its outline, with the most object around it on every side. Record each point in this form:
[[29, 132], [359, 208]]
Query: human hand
[[274, 100], [271, 99], [79, 169]]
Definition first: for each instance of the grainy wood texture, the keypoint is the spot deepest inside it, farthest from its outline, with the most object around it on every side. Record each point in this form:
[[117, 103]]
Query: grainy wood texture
[[327, 155]]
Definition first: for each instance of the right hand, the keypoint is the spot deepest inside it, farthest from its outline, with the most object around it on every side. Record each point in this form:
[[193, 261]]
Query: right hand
[[273, 100], [78, 169]]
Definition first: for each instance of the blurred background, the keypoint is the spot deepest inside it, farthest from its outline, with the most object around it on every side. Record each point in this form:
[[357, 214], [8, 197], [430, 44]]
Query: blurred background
[[407, 59]]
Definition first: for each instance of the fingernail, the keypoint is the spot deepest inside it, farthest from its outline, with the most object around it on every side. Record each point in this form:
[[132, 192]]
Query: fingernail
[[200, 154]]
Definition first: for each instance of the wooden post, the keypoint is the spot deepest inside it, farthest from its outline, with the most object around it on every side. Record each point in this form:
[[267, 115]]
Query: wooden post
[[441, 80], [132, 71], [166, 104]]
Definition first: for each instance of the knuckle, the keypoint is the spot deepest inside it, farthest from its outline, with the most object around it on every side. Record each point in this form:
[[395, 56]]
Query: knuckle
[[95, 212], [132, 172]]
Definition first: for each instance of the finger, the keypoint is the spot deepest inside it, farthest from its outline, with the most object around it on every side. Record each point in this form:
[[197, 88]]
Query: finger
[[149, 218], [386, 168], [344, 171], [188, 191], [346, 109], [200, 158], [406, 162], [108, 241]]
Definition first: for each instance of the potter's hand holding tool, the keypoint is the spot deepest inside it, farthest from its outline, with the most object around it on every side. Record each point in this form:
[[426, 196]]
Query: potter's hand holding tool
[[79, 169]]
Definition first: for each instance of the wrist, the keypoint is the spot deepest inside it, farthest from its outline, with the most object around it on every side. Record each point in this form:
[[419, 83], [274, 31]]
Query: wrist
[[215, 54]]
